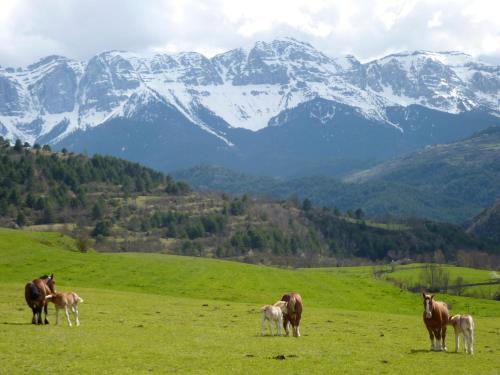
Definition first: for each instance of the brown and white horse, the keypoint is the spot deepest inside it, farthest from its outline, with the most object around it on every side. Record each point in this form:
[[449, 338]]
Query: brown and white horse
[[293, 313], [66, 300], [435, 318], [35, 293]]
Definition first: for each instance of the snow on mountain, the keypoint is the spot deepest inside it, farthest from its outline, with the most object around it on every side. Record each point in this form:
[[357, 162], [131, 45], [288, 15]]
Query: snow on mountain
[[245, 87]]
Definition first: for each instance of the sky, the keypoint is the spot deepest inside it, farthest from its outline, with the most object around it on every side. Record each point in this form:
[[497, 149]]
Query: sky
[[31, 29]]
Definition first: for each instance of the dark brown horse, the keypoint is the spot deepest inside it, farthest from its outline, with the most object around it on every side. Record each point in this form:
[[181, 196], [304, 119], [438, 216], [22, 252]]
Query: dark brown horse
[[35, 293], [293, 313], [436, 318]]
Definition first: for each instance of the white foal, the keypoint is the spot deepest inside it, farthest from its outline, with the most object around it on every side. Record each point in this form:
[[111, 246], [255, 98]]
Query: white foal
[[465, 325], [273, 313], [66, 300]]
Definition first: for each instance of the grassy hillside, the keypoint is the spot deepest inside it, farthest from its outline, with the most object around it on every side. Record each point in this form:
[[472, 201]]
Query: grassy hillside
[[148, 313], [414, 276]]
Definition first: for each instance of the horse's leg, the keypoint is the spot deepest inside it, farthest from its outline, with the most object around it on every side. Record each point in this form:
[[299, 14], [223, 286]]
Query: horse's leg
[[443, 335], [39, 314], [57, 316], [431, 337], [262, 322], [468, 340], [457, 341], [45, 308], [33, 319], [286, 324], [437, 335], [67, 315], [279, 324], [77, 317], [471, 341], [298, 331], [271, 326]]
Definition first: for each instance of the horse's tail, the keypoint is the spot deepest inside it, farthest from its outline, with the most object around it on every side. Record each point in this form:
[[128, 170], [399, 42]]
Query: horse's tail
[[291, 304], [33, 291], [78, 298], [471, 327]]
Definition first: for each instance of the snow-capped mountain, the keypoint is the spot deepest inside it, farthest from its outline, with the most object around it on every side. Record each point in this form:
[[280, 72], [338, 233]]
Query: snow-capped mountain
[[244, 87], [253, 88]]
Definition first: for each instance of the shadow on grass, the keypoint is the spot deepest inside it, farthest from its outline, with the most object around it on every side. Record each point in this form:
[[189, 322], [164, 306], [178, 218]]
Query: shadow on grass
[[416, 351], [16, 324], [269, 336]]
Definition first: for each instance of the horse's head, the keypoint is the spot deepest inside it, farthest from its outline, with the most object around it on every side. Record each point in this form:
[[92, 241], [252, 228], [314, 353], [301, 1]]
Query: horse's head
[[49, 280], [282, 306], [428, 299], [454, 320]]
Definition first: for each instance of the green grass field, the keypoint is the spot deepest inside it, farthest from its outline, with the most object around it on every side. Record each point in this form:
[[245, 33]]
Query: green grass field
[[410, 276], [150, 313]]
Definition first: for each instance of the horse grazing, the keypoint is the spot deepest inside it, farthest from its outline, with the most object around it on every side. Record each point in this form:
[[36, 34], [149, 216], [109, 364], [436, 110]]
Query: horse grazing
[[293, 313], [35, 293], [435, 319], [465, 325], [64, 301], [272, 313]]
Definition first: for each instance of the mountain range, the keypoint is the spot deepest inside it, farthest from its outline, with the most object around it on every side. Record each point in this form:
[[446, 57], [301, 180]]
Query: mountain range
[[278, 108]]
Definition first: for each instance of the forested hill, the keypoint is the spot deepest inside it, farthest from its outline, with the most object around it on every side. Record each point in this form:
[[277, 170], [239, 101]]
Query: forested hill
[[487, 223], [447, 182], [41, 187], [114, 205]]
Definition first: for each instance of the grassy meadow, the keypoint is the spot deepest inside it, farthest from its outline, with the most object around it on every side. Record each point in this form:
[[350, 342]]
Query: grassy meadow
[[153, 313], [410, 276]]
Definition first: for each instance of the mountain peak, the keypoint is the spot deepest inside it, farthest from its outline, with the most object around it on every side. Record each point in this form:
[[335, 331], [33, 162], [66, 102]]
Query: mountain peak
[[48, 60], [452, 58]]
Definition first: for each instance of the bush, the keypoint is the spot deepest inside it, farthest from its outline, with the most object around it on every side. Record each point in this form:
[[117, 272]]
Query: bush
[[83, 242], [102, 228]]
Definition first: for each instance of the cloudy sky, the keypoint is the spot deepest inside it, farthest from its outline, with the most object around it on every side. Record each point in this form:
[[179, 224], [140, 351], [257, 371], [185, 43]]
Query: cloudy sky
[[30, 29]]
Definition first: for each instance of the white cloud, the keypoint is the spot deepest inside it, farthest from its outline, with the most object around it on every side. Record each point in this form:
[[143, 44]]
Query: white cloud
[[391, 12], [435, 21], [30, 29]]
